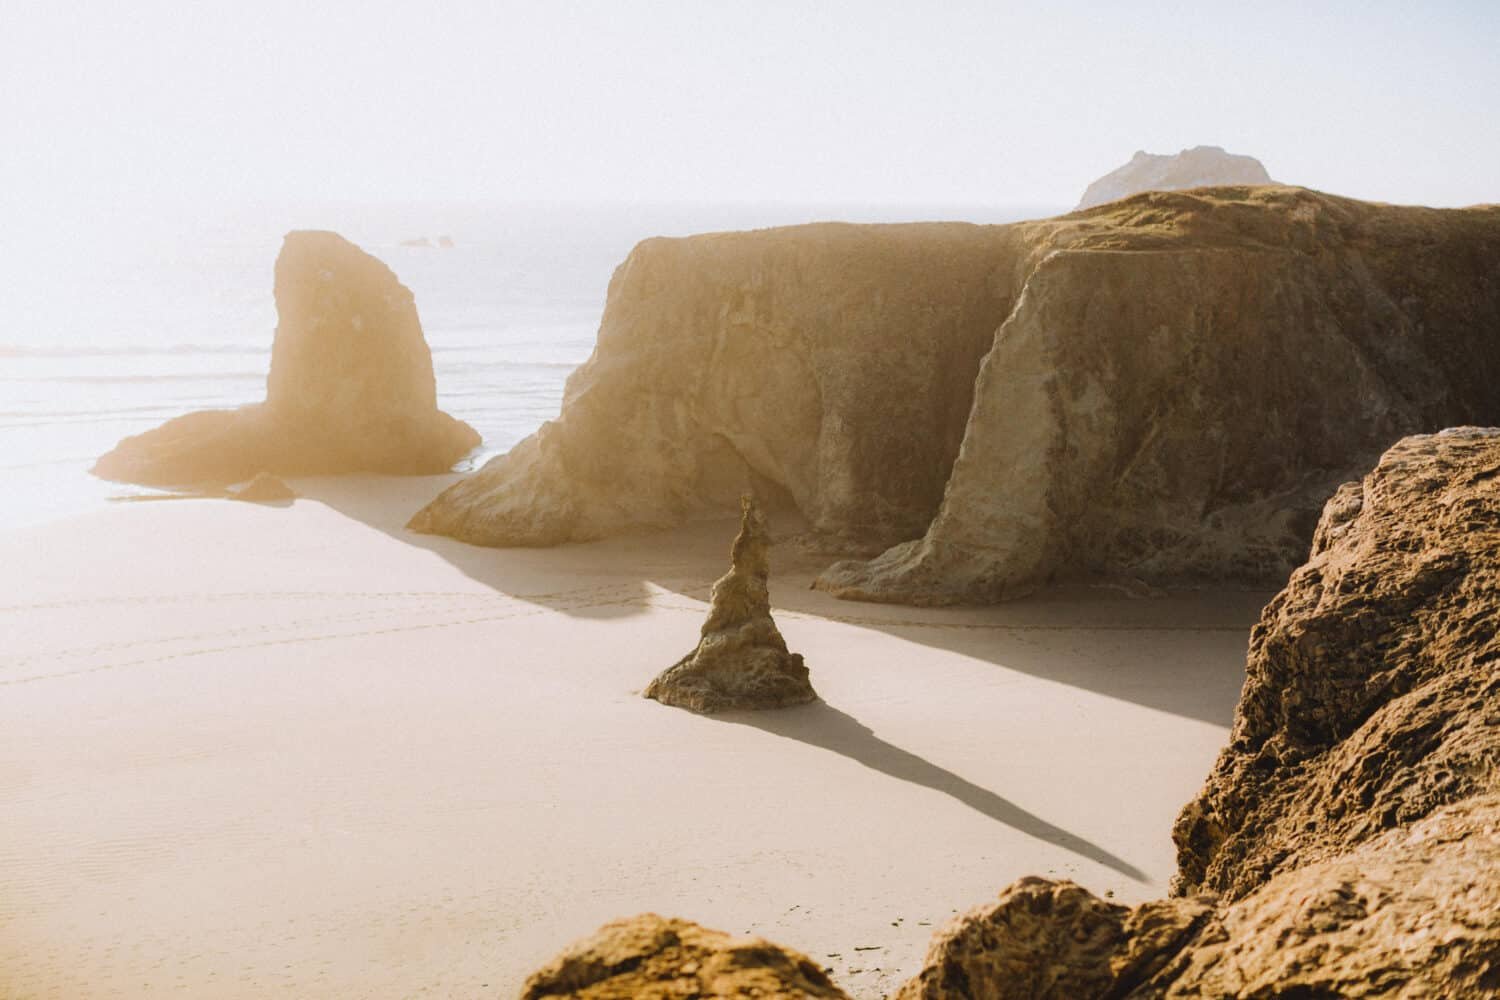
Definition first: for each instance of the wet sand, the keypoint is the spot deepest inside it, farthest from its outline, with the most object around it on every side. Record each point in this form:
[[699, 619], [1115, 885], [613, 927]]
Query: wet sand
[[292, 750]]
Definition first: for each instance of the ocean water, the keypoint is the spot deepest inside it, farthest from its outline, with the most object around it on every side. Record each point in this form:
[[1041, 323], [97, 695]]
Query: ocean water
[[110, 326]]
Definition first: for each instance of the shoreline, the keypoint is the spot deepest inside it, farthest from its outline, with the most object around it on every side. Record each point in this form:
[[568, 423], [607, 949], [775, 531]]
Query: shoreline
[[310, 752]]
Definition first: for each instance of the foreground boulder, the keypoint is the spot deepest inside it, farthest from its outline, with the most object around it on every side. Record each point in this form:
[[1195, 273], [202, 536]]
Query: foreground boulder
[[1349, 836], [741, 660], [1201, 166], [1167, 388], [351, 387], [652, 958], [1408, 914], [1046, 940]]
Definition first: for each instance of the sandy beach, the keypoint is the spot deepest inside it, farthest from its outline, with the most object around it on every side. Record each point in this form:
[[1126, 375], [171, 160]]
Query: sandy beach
[[295, 750]]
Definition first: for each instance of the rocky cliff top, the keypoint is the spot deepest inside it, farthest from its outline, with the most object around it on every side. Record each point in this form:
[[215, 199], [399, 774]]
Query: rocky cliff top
[[1200, 166]]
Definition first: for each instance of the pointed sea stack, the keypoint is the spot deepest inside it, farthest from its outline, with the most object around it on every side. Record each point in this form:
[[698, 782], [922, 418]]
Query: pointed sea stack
[[741, 660], [351, 387]]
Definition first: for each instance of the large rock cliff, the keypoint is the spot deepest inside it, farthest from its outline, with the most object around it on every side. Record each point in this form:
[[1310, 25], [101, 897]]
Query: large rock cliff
[[1201, 166], [828, 366], [1166, 388], [351, 387]]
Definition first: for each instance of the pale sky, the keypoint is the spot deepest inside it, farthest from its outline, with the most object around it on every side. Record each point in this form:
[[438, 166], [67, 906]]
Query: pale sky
[[801, 102]]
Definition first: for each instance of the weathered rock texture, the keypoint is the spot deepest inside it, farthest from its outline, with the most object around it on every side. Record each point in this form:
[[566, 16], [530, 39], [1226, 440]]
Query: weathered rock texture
[[1350, 833], [1372, 694], [828, 366], [1411, 913], [1201, 166], [651, 958], [1046, 939], [1167, 388], [1178, 407], [741, 660], [351, 387]]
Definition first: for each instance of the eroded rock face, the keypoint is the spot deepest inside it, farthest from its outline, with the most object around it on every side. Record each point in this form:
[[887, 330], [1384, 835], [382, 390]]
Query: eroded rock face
[[1372, 694], [652, 958], [1164, 389], [830, 367], [1201, 166], [351, 387], [1410, 913], [1178, 412], [741, 660]]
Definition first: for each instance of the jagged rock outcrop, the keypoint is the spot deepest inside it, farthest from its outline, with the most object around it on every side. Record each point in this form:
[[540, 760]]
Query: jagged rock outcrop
[[1372, 694], [1166, 388], [741, 660], [1411, 913], [351, 387], [652, 958], [1349, 835], [1046, 940], [1201, 166]]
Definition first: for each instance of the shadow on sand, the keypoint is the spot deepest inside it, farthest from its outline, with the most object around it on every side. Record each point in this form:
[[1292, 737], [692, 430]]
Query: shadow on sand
[[1130, 649], [821, 725]]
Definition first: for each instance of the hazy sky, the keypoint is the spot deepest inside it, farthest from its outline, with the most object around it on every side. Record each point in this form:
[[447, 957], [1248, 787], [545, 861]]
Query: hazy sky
[[900, 103]]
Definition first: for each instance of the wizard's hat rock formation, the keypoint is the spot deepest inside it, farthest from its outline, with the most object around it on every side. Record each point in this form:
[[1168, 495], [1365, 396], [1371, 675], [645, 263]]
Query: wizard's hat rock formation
[[351, 387], [741, 660]]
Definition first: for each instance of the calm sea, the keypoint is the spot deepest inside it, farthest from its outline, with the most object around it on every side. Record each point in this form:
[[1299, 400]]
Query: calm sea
[[108, 331]]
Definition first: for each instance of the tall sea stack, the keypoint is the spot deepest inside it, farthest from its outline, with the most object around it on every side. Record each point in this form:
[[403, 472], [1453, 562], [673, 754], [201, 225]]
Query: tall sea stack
[[351, 387], [741, 660]]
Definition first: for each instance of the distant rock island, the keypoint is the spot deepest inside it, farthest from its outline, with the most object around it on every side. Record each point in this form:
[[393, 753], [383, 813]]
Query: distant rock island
[[351, 387], [1201, 166], [1166, 389]]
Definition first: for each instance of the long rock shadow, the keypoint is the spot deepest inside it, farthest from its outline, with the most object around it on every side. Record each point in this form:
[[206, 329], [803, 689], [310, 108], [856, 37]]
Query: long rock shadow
[[545, 577], [1185, 657], [821, 725]]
